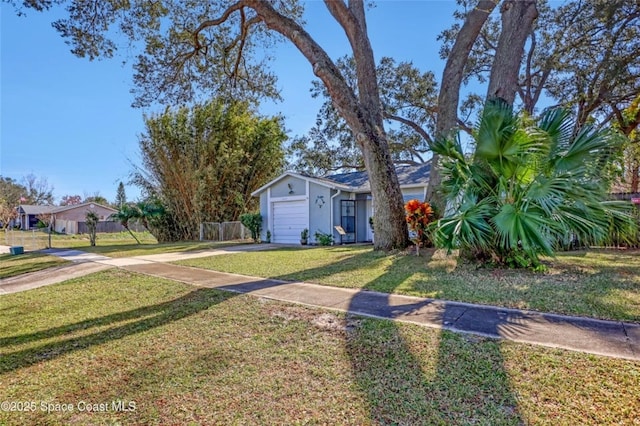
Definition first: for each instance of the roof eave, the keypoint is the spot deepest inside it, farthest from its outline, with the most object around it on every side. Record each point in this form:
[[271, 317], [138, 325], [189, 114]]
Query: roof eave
[[299, 176]]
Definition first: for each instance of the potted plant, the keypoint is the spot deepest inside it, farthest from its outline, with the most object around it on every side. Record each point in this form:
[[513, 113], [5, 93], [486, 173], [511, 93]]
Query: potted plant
[[304, 237]]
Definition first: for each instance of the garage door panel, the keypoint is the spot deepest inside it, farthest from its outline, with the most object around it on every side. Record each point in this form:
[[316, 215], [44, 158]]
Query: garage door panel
[[289, 219]]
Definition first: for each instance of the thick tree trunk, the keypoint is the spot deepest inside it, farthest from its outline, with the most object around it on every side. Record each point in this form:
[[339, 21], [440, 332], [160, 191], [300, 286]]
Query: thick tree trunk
[[389, 215], [517, 22], [363, 113], [449, 95]]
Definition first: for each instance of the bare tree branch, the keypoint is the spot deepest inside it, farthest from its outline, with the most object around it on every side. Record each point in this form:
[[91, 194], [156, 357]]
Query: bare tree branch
[[411, 124], [463, 126], [223, 18]]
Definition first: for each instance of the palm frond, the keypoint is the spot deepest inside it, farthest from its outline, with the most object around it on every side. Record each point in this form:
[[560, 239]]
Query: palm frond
[[529, 188], [523, 228], [468, 227], [558, 125]]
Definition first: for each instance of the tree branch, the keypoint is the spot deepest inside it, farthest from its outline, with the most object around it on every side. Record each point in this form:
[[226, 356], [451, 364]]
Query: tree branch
[[463, 126], [411, 124], [488, 45], [323, 67], [352, 19], [540, 87], [243, 38], [527, 98], [223, 18], [345, 18]]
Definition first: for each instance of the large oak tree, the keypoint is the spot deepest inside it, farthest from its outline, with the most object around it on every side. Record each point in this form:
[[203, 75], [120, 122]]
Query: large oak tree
[[194, 45], [408, 98], [581, 54], [191, 45]]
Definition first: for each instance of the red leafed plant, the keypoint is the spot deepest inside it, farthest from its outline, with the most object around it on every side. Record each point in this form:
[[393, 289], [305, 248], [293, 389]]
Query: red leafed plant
[[418, 217]]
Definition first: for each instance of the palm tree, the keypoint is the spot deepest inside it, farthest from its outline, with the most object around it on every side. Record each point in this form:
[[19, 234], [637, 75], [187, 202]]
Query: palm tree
[[91, 220], [124, 215], [146, 211], [527, 188]]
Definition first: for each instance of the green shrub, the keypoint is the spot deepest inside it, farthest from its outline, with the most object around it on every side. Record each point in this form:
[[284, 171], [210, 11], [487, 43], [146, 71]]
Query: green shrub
[[324, 239], [527, 187], [253, 222]]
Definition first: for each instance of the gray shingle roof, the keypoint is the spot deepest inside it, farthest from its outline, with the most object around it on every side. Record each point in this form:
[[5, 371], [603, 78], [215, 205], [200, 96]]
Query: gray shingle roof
[[408, 175], [35, 210]]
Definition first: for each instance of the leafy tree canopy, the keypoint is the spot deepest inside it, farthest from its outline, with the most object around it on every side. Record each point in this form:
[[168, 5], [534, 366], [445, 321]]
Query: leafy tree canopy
[[627, 124], [12, 192], [582, 55], [409, 99], [11, 195], [202, 163], [96, 198], [187, 50], [70, 200]]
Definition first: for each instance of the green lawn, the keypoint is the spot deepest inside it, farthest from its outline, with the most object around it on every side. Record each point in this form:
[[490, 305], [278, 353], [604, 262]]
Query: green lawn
[[119, 244], [28, 262], [601, 284], [37, 240], [129, 250], [123, 245], [185, 355]]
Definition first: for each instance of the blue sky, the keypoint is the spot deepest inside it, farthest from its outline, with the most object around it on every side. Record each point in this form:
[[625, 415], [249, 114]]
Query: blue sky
[[69, 120]]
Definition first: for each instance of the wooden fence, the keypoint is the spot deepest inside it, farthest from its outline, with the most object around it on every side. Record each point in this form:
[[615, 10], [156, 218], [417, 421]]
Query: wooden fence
[[632, 196], [223, 231], [109, 227]]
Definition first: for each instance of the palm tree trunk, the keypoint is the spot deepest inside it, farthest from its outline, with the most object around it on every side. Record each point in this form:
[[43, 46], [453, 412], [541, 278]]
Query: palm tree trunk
[[134, 237]]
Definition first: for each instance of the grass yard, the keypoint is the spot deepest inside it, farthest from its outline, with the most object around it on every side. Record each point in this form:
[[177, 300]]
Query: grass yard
[[119, 244], [601, 284], [128, 250], [175, 354], [38, 239], [11, 266]]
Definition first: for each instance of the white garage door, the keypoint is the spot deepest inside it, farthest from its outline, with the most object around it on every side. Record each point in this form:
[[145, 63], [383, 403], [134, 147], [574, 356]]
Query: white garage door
[[289, 219]]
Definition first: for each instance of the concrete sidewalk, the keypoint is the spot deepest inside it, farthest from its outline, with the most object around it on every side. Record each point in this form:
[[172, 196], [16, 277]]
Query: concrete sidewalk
[[610, 338], [49, 276], [87, 263]]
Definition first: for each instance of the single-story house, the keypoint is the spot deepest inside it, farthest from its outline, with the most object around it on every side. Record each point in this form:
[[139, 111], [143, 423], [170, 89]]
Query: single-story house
[[295, 201], [65, 218], [28, 215]]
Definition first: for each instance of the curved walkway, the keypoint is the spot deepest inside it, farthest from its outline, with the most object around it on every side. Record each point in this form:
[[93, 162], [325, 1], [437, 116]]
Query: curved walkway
[[609, 338]]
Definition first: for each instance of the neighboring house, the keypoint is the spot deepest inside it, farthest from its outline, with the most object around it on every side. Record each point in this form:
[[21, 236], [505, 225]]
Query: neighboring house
[[65, 218], [28, 215], [293, 202]]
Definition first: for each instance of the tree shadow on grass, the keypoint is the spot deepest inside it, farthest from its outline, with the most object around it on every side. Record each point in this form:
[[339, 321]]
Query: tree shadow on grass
[[362, 261], [414, 376], [605, 289], [448, 379], [140, 320]]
